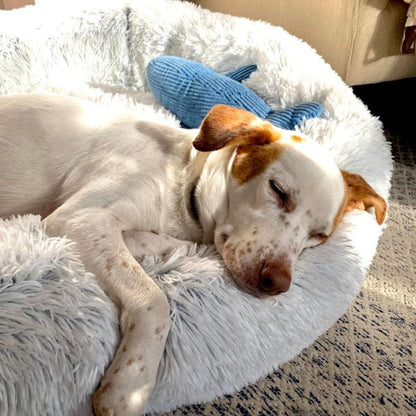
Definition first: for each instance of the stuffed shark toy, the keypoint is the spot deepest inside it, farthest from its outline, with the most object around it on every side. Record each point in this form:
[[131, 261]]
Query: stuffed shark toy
[[189, 90]]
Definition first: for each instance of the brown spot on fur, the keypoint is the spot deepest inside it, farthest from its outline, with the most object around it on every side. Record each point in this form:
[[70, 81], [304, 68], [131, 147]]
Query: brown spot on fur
[[109, 263], [155, 232], [105, 388], [116, 371], [159, 330], [283, 219], [296, 138], [124, 348], [149, 308], [232, 248], [125, 264], [131, 327], [103, 236], [252, 160], [136, 268], [142, 369], [129, 362]]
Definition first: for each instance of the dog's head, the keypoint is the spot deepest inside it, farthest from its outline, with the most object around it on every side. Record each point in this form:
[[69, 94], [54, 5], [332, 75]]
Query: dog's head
[[284, 194]]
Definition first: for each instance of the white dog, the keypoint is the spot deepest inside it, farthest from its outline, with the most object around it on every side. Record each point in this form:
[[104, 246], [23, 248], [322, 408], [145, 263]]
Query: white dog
[[121, 187]]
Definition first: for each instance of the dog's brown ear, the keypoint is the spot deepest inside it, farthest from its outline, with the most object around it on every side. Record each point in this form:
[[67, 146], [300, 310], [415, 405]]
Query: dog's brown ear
[[224, 126], [360, 195]]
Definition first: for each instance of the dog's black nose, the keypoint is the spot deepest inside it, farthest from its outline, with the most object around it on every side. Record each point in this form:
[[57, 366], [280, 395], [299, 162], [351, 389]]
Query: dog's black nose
[[274, 279]]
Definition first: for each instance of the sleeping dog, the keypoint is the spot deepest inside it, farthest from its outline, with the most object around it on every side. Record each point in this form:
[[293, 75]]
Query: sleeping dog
[[121, 187]]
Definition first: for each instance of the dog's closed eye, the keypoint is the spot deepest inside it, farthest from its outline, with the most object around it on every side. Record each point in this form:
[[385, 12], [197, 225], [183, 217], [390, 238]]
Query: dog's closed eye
[[281, 196], [318, 236]]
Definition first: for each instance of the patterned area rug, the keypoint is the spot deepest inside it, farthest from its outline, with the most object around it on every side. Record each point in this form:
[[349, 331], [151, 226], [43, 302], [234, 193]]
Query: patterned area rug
[[366, 363]]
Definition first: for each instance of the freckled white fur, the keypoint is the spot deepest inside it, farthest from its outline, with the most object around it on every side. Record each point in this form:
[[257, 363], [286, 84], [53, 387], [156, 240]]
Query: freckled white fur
[[119, 187]]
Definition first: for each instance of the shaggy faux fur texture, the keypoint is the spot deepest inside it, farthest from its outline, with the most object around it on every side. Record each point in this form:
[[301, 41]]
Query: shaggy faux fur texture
[[221, 339], [57, 329]]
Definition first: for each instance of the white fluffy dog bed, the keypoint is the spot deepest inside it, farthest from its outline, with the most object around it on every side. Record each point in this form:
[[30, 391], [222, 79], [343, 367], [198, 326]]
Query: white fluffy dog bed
[[58, 330]]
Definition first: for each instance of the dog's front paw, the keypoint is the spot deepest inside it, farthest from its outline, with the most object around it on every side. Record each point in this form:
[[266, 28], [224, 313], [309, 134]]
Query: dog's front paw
[[102, 403], [112, 400]]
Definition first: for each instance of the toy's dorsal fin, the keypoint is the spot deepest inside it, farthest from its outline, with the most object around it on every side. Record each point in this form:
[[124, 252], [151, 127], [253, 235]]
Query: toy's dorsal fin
[[242, 73]]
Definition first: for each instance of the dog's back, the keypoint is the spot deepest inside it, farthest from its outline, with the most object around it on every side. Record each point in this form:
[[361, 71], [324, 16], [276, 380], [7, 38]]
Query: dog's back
[[51, 146], [31, 174]]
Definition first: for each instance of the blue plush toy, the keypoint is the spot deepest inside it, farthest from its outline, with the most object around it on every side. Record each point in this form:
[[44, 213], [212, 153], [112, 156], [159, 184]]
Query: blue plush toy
[[189, 90]]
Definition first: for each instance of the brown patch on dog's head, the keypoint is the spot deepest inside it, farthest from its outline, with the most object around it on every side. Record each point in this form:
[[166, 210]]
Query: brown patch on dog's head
[[360, 195], [252, 160], [255, 139]]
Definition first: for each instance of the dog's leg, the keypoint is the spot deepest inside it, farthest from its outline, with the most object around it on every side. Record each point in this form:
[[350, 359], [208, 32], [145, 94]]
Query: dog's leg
[[141, 243], [144, 309]]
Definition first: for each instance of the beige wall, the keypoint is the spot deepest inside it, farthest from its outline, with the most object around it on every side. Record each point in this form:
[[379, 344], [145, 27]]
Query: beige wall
[[361, 39], [13, 4]]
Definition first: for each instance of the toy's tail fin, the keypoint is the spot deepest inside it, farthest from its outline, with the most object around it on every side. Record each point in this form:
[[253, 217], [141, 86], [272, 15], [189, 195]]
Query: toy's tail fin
[[290, 117]]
